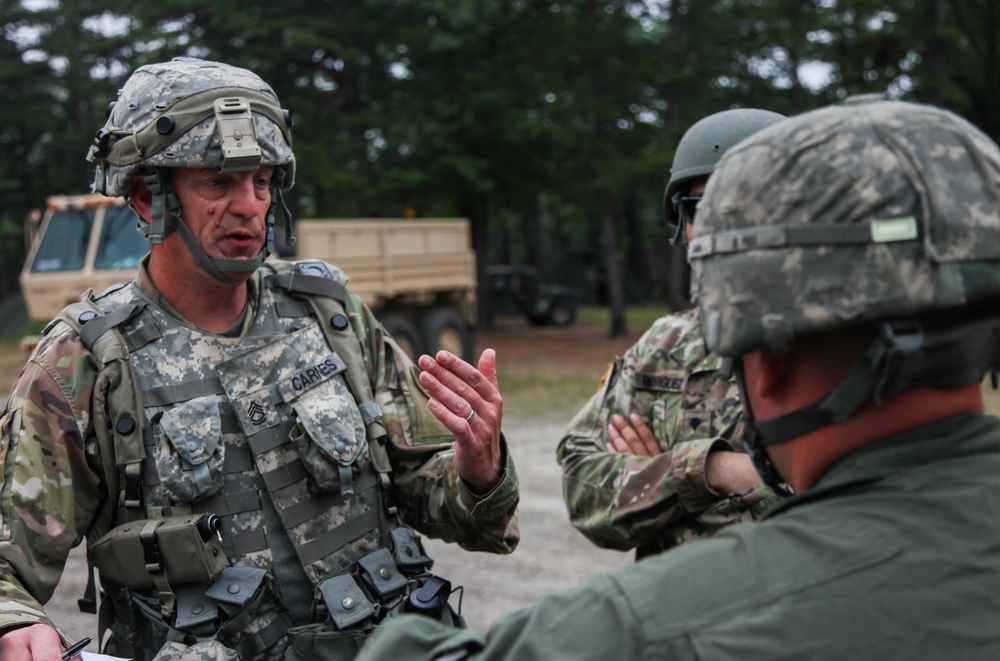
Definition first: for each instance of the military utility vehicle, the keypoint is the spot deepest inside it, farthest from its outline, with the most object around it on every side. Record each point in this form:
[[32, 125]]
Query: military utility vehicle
[[517, 289]]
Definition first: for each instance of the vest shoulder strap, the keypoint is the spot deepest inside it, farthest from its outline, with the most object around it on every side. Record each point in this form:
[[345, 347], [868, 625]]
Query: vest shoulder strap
[[116, 414], [117, 405]]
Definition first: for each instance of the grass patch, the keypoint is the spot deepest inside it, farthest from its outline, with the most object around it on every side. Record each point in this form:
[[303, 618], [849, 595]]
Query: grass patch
[[637, 318], [14, 336], [555, 371], [535, 394]]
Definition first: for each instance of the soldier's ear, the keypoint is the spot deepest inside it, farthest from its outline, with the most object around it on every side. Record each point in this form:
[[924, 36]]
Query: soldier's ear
[[140, 198], [766, 377]]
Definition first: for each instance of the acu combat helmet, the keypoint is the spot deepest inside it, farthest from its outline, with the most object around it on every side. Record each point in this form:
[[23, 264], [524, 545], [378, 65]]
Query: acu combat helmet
[[700, 149], [190, 113], [876, 215]]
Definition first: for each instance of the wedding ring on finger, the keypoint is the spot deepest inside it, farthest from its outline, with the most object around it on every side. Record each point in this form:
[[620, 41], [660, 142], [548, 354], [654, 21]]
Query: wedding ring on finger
[[472, 414]]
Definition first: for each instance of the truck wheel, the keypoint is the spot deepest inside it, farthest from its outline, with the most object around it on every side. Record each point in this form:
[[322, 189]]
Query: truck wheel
[[562, 312], [536, 319], [405, 333], [444, 328]]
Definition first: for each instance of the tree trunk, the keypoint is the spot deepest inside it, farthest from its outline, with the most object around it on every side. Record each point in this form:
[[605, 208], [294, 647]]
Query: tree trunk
[[639, 270], [679, 272], [477, 211], [538, 241], [612, 264], [936, 55], [605, 196], [677, 269]]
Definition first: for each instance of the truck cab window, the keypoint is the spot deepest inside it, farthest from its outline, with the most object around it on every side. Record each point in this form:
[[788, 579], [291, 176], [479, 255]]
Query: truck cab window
[[64, 245], [121, 247]]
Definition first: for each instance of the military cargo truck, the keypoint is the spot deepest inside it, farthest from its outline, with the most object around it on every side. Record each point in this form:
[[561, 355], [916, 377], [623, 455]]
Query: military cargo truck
[[79, 241], [417, 275]]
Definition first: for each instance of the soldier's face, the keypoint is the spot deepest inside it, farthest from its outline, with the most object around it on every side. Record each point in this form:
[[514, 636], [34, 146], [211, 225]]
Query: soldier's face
[[226, 212]]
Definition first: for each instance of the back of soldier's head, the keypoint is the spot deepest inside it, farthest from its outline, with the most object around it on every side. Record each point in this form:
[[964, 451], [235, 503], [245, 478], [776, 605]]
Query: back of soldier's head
[[848, 214], [878, 214]]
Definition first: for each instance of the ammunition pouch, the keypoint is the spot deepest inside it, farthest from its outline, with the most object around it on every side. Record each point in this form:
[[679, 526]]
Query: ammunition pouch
[[173, 551], [315, 643], [212, 620], [352, 616], [380, 585]]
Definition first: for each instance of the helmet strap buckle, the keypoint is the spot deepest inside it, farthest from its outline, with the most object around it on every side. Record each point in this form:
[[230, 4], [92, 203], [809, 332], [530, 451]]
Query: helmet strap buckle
[[163, 206]]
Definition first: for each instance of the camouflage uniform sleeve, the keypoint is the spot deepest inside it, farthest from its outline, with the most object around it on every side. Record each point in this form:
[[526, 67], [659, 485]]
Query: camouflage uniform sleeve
[[49, 491], [429, 492], [623, 501]]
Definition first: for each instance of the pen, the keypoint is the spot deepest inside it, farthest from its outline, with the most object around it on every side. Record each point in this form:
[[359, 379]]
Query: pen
[[76, 647]]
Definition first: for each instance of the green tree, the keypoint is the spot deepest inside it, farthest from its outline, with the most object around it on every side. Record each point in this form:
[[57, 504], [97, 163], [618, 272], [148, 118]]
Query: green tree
[[548, 123], [57, 62]]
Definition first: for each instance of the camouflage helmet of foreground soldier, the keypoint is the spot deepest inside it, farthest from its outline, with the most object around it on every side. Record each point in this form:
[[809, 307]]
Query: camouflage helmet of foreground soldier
[[877, 215], [190, 113], [699, 151]]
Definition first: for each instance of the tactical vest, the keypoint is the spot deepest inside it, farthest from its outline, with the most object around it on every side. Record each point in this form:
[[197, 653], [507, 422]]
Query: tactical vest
[[267, 448]]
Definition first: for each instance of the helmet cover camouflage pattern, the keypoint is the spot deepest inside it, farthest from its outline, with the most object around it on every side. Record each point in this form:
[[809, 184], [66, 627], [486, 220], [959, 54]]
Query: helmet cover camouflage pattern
[[843, 216], [703, 144], [165, 116]]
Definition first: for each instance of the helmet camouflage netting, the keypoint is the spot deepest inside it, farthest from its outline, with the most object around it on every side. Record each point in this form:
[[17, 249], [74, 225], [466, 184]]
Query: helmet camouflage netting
[[190, 113], [166, 116], [842, 216]]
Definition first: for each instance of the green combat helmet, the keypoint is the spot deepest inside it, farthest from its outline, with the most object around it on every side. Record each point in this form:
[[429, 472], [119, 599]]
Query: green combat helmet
[[882, 215], [190, 113], [700, 149]]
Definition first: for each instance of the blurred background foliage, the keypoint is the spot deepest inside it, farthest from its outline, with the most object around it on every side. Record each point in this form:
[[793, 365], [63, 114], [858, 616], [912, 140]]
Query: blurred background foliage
[[551, 125]]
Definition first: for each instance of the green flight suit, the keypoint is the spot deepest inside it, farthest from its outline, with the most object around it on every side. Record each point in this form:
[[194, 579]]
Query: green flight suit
[[895, 554]]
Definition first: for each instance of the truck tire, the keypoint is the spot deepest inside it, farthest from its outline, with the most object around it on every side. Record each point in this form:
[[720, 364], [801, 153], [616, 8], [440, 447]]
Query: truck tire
[[405, 333], [538, 319], [563, 312], [444, 328]]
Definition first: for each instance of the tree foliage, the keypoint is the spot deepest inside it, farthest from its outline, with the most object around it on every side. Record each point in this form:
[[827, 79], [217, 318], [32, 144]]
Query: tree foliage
[[550, 124]]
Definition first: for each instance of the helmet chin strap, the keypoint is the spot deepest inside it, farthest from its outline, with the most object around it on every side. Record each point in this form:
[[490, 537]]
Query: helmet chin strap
[[861, 382], [278, 200], [679, 237], [902, 354], [751, 436], [218, 267], [166, 217]]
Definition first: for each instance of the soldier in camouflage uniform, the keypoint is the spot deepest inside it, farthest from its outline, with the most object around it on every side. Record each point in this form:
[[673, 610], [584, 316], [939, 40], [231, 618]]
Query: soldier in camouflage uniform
[[240, 442], [848, 261], [652, 460]]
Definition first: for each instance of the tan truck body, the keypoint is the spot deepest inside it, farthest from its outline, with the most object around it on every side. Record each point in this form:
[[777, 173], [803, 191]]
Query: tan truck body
[[417, 275]]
